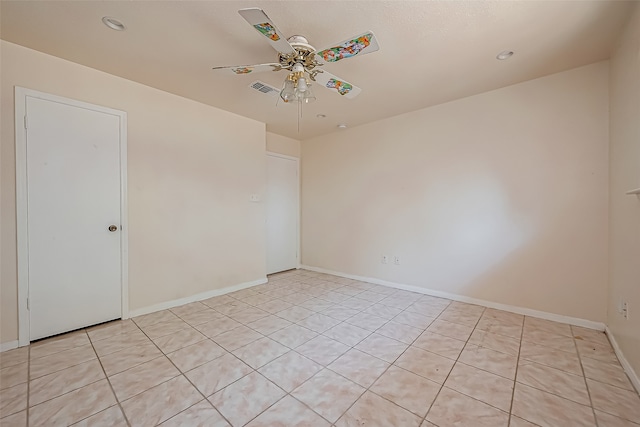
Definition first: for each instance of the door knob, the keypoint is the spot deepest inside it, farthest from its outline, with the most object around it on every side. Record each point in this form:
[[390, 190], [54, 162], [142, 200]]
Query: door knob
[[113, 228]]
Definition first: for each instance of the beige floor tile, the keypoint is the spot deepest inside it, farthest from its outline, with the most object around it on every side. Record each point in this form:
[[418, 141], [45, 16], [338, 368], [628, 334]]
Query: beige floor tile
[[398, 302], [59, 361], [13, 399], [318, 322], [426, 364], [293, 336], [257, 299], [110, 329], [19, 419], [74, 406], [451, 330], [249, 315], [457, 316], [503, 316], [153, 318], [110, 417], [128, 383], [407, 389], [608, 420], [216, 301], [455, 409], [195, 355], [120, 341], [590, 335], [296, 298], [129, 357], [495, 342], [359, 367], [372, 410], [502, 364], [426, 423], [243, 400], [58, 343], [565, 361], [322, 350], [231, 307], [218, 373], [554, 381], [61, 382], [609, 373], [217, 326], [417, 320], [547, 409], [288, 412], [371, 296], [236, 338], [190, 308], [519, 422], [329, 394], [202, 414], [290, 370], [439, 344], [347, 334], [161, 329], [202, 316], [294, 314], [500, 327], [274, 306], [14, 357], [176, 341], [466, 308], [615, 401], [481, 385], [13, 375], [549, 339], [340, 312], [531, 323], [260, 352], [316, 304], [400, 332], [161, 402], [383, 311], [369, 322], [604, 353], [356, 303], [268, 325], [382, 347]]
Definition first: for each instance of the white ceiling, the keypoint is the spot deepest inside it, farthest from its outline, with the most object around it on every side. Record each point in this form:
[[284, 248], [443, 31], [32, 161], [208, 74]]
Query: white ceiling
[[430, 51]]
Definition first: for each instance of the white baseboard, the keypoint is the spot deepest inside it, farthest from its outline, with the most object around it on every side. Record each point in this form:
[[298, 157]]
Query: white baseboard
[[631, 373], [194, 298], [9, 345], [455, 297]]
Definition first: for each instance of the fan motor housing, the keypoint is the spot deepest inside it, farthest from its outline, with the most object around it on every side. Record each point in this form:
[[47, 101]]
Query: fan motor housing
[[304, 54]]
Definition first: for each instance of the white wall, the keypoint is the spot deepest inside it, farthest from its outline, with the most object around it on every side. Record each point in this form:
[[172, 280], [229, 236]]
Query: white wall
[[283, 145], [501, 196], [624, 241], [191, 170]]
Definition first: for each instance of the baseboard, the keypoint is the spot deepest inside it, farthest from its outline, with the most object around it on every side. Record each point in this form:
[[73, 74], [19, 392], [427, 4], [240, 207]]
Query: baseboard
[[194, 298], [455, 297], [9, 345], [631, 373]]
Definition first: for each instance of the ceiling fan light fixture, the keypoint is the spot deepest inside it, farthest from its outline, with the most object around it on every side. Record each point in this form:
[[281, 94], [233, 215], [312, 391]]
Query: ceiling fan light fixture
[[308, 97], [505, 54], [288, 92], [113, 23]]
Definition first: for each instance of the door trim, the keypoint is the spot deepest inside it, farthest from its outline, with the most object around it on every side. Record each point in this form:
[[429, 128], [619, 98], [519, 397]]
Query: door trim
[[297, 161], [21, 95]]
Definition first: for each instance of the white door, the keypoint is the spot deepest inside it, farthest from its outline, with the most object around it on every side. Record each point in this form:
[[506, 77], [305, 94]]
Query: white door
[[282, 213], [73, 198]]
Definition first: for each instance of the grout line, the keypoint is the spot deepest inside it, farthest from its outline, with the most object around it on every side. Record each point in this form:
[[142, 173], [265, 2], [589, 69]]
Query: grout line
[[515, 376], [584, 377]]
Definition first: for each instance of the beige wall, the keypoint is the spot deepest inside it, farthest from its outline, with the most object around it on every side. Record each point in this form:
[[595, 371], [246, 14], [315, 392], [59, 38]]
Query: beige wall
[[624, 222], [191, 171], [501, 196], [283, 145]]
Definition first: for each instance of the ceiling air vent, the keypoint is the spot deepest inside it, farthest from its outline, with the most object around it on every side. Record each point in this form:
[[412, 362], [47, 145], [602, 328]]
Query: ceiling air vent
[[264, 88]]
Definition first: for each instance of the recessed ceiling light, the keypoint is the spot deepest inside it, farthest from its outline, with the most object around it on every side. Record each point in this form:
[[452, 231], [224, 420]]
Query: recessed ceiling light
[[321, 116], [113, 23], [342, 126], [505, 54]]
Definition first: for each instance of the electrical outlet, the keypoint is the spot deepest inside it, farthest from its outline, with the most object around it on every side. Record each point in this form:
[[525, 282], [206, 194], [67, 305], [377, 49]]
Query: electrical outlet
[[396, 260], [624, 310], [384, 259]]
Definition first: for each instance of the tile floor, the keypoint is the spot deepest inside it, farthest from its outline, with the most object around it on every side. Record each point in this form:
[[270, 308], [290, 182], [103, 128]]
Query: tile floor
[[309, 349]]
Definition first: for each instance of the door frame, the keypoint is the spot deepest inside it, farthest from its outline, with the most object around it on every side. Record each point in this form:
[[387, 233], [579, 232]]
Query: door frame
[[298, 211], [21, 95]]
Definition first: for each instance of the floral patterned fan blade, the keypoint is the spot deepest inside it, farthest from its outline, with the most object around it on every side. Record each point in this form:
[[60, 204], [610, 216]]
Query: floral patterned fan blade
[[358, 45], [250, 69], [261, 22], [337, 84]]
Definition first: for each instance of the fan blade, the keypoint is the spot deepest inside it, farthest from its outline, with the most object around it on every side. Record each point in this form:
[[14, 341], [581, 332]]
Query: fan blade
[[261, 22], [330, 81], [247, 69], [358, 45]]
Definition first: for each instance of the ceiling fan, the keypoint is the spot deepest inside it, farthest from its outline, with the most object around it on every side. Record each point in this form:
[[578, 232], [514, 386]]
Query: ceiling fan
[[302, 60]]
